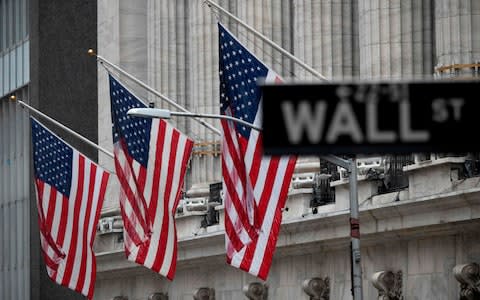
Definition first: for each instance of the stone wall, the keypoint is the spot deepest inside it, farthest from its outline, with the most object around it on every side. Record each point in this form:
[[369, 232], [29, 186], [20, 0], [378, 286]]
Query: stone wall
[[426, 263]]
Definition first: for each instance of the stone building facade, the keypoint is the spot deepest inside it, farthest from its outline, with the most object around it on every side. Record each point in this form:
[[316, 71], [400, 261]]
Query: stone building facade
[[419, 214]]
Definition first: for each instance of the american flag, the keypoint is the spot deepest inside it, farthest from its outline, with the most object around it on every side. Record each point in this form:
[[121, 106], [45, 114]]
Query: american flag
[[151, 158], [255, 186], [70, 191]]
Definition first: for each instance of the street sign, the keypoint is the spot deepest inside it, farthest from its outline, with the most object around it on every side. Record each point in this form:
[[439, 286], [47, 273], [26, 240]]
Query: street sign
[[371, 117]]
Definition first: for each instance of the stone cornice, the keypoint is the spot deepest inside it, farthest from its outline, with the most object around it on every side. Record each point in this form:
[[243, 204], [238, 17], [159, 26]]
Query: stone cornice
[[431, 215]]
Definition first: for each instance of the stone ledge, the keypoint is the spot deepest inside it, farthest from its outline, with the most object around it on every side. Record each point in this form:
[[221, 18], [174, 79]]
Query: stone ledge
[[435, 214], [434, 162]]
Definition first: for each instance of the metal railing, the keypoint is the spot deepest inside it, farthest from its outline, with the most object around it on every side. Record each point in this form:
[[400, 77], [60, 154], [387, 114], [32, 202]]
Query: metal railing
[[394, 178], [322, 192]]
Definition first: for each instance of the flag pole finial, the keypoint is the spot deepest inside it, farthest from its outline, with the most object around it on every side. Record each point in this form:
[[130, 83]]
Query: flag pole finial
[[91, 52], [13, 98]]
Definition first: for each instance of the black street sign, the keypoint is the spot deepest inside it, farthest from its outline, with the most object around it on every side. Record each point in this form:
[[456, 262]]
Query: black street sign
[[366, 118]]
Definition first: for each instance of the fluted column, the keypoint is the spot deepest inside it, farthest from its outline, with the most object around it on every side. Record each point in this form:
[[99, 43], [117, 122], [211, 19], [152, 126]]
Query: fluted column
[[166, 53], [122, 39], [457, 23], [108, 46], [396, 39], [264, 16], [325, 37], [271, 18], [202, 53], [133, 40], [182, 66]]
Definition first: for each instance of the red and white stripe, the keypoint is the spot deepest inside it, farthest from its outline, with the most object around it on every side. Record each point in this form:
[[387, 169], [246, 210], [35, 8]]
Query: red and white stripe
[[150, 197], [257, 201], [68, 225]]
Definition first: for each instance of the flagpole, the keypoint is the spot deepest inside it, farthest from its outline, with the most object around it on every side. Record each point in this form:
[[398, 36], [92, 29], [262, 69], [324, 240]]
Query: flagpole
[[355, 259], [81, 137], [166, 114], [268, 41], [150, 89]]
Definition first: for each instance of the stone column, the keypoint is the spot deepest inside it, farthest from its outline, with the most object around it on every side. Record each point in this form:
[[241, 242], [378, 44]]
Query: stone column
[[396, 38], [108, 46], [122, 39], [326, 37], [202, 35], [457, 23], [183, 65], [133, 41], [270, 17], [203, 85]]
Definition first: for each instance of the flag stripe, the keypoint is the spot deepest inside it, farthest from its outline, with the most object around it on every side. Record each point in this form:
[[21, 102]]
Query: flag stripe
[[49, 211], [172, 236], [62, 229], [275, 227], [85, 194], [232, 235], [158, 225], [57, 222], [102, 189], [84, 233], [157, 208], [183, 165], [255, 151], [99, 192], [72, 245], [268, 189], [170, 201], [130, 191], [51, 249], [235, 185], [235, 209], [167, 163], [158, 132], [272, 216], [158, 129]]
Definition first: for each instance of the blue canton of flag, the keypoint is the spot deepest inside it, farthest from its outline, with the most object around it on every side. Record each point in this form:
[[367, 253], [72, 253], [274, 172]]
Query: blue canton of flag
[[135, 131], [52, 159], [239, 72]]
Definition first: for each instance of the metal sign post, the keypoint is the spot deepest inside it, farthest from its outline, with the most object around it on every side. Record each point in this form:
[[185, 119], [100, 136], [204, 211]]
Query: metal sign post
[[351, 167]]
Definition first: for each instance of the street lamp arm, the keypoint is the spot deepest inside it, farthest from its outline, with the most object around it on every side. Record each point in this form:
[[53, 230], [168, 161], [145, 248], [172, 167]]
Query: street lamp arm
[[166, 114]]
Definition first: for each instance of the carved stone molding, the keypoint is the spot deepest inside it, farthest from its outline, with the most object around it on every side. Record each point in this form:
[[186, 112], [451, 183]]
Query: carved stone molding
[[469, 277], [158, 296], [204, 293], [317, 288], [256, 291], [388, 284]]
